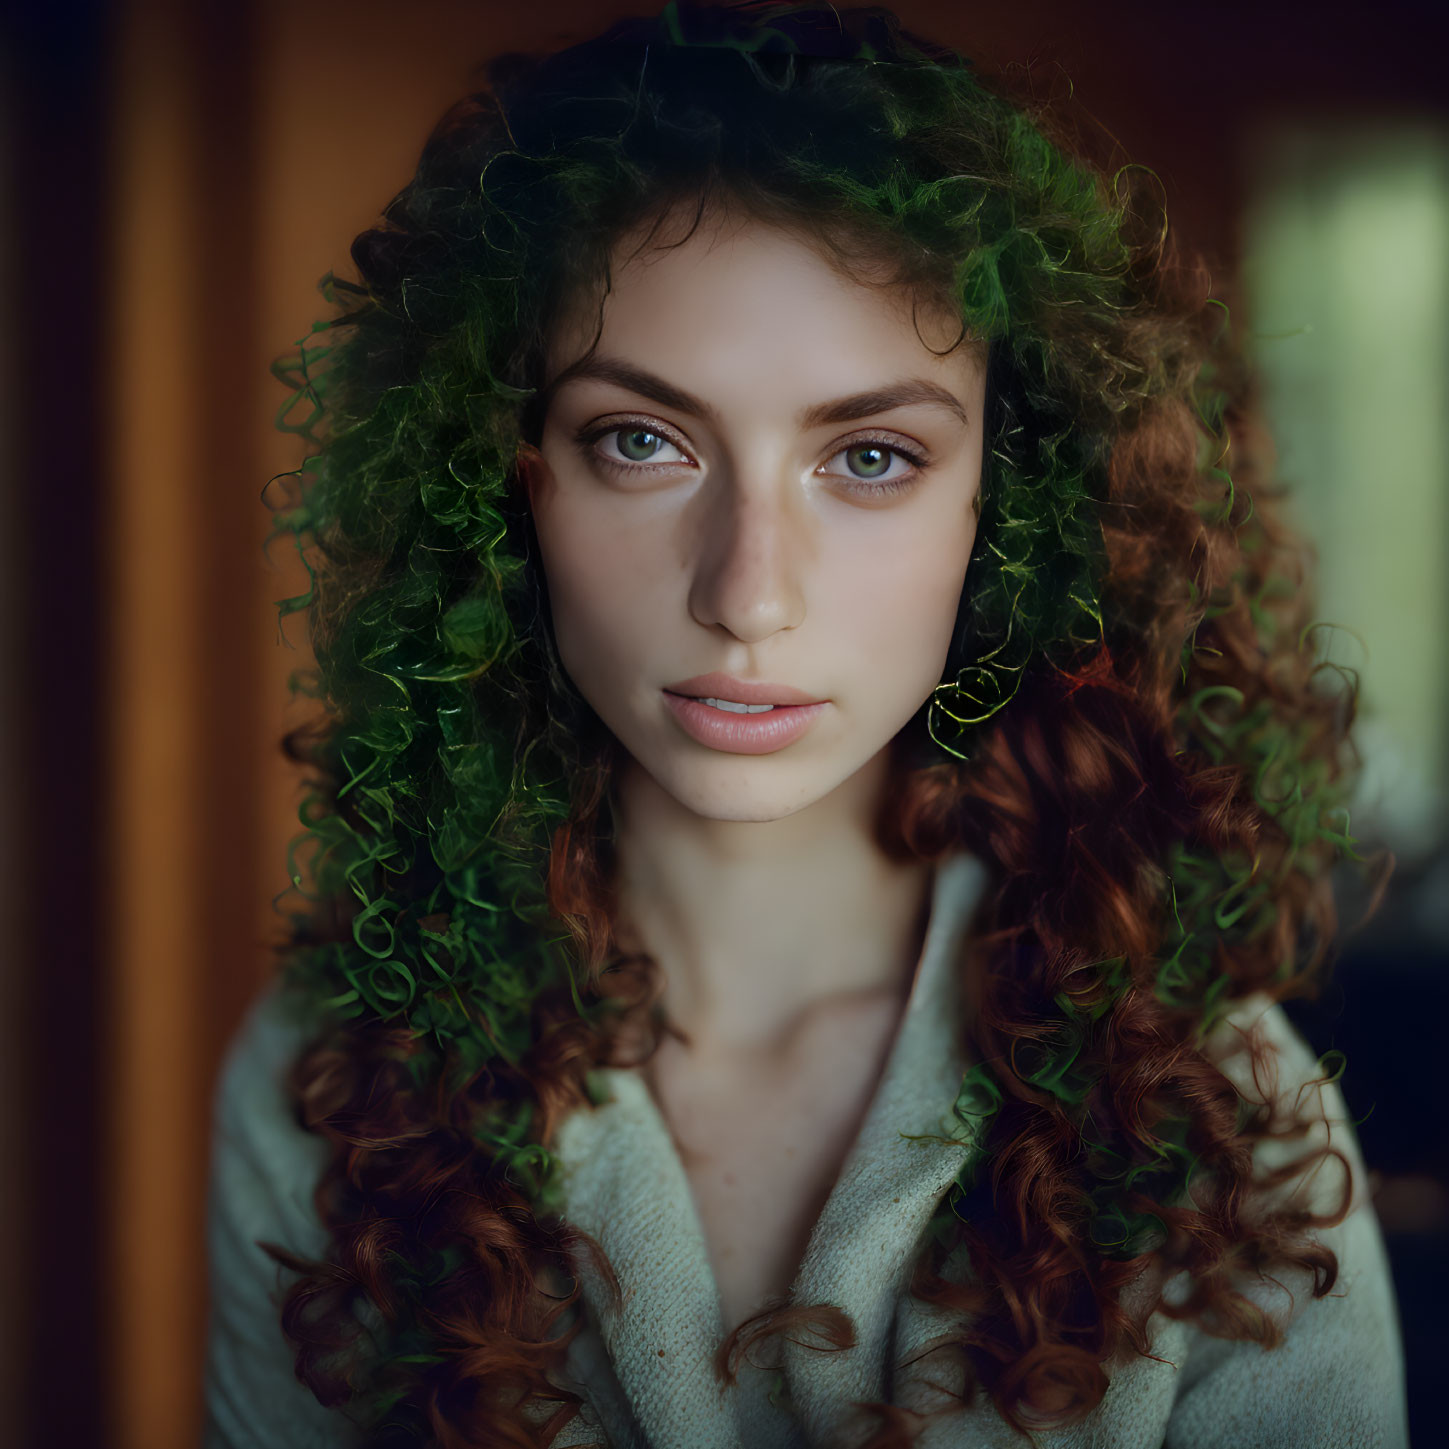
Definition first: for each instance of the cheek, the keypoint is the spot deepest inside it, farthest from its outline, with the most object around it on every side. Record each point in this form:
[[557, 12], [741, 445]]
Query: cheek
[[898, 595], [601, 576]]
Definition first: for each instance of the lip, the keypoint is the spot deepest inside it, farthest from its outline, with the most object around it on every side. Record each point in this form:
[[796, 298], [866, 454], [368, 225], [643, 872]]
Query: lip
[[743, 734], [725, 686]]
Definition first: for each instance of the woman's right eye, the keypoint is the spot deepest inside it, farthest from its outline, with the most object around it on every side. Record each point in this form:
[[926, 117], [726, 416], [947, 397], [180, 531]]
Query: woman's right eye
[[632, 446]]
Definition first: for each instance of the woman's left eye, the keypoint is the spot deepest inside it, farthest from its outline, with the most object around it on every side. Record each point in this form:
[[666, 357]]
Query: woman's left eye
[[870, 463]]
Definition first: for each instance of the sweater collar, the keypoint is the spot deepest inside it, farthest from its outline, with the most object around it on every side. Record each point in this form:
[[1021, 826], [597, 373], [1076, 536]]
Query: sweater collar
[[624, 1184]]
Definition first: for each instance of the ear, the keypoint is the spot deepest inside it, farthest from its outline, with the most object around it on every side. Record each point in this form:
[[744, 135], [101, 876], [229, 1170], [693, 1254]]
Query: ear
[[533, 471]]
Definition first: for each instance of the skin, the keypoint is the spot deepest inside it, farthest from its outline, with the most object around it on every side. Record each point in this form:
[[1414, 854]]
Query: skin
[[757, 543]]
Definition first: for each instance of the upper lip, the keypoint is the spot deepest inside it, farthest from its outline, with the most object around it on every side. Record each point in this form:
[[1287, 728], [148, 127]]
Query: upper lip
[[725, 686]]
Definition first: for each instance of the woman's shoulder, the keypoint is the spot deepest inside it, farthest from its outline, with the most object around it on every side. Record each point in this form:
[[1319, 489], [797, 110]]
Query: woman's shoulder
[[1259, 1050], [265, 1167], [1337, 1375], [265, 1164]]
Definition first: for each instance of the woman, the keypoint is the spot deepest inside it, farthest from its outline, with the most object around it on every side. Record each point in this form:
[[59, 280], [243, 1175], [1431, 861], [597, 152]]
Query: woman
[[822, 786]]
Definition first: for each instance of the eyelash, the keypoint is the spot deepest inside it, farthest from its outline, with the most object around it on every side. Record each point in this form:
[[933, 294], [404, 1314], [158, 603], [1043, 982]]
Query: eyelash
[[589, 436]]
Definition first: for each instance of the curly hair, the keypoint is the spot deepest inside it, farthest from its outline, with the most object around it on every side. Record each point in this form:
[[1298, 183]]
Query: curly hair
[[1133, 731]]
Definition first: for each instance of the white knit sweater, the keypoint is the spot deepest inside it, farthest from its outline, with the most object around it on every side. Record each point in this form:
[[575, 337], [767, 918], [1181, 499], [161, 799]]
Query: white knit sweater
[[645, 1367]]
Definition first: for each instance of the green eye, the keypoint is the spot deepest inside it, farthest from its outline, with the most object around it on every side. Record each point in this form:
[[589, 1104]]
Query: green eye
[[874, 459], [638, 444], [869, 461], [633, 448]]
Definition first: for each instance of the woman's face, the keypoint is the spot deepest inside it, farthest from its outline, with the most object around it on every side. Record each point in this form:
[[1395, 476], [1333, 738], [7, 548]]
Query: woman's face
[[763, 472]]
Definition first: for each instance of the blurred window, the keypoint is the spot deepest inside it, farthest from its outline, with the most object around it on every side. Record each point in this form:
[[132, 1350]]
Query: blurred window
[[1346, 275]]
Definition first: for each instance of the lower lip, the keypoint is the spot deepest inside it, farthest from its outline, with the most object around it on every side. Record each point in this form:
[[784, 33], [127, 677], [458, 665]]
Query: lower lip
[[743, 734]]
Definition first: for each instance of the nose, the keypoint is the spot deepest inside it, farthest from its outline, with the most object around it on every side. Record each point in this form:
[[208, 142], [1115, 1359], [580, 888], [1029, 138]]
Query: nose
[[753, 547]]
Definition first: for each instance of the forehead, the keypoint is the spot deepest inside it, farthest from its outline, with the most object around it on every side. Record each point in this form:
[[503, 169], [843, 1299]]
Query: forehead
[[738, 298]]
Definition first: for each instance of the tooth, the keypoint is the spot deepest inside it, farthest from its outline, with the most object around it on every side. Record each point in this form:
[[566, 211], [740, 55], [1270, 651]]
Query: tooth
[[735, 708]]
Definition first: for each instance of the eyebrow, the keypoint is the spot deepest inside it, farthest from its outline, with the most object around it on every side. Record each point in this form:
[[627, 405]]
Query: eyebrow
[[908, 392]]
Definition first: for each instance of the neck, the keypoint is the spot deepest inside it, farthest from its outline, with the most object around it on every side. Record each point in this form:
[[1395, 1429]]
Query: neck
[[755, 923]]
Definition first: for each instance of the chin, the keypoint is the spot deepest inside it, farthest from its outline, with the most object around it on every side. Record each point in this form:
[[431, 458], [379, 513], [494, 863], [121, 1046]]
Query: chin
[[726, 791], [756, 811]]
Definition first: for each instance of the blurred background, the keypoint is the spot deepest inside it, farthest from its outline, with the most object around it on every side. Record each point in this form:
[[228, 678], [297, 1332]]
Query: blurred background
[[175, 177]]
